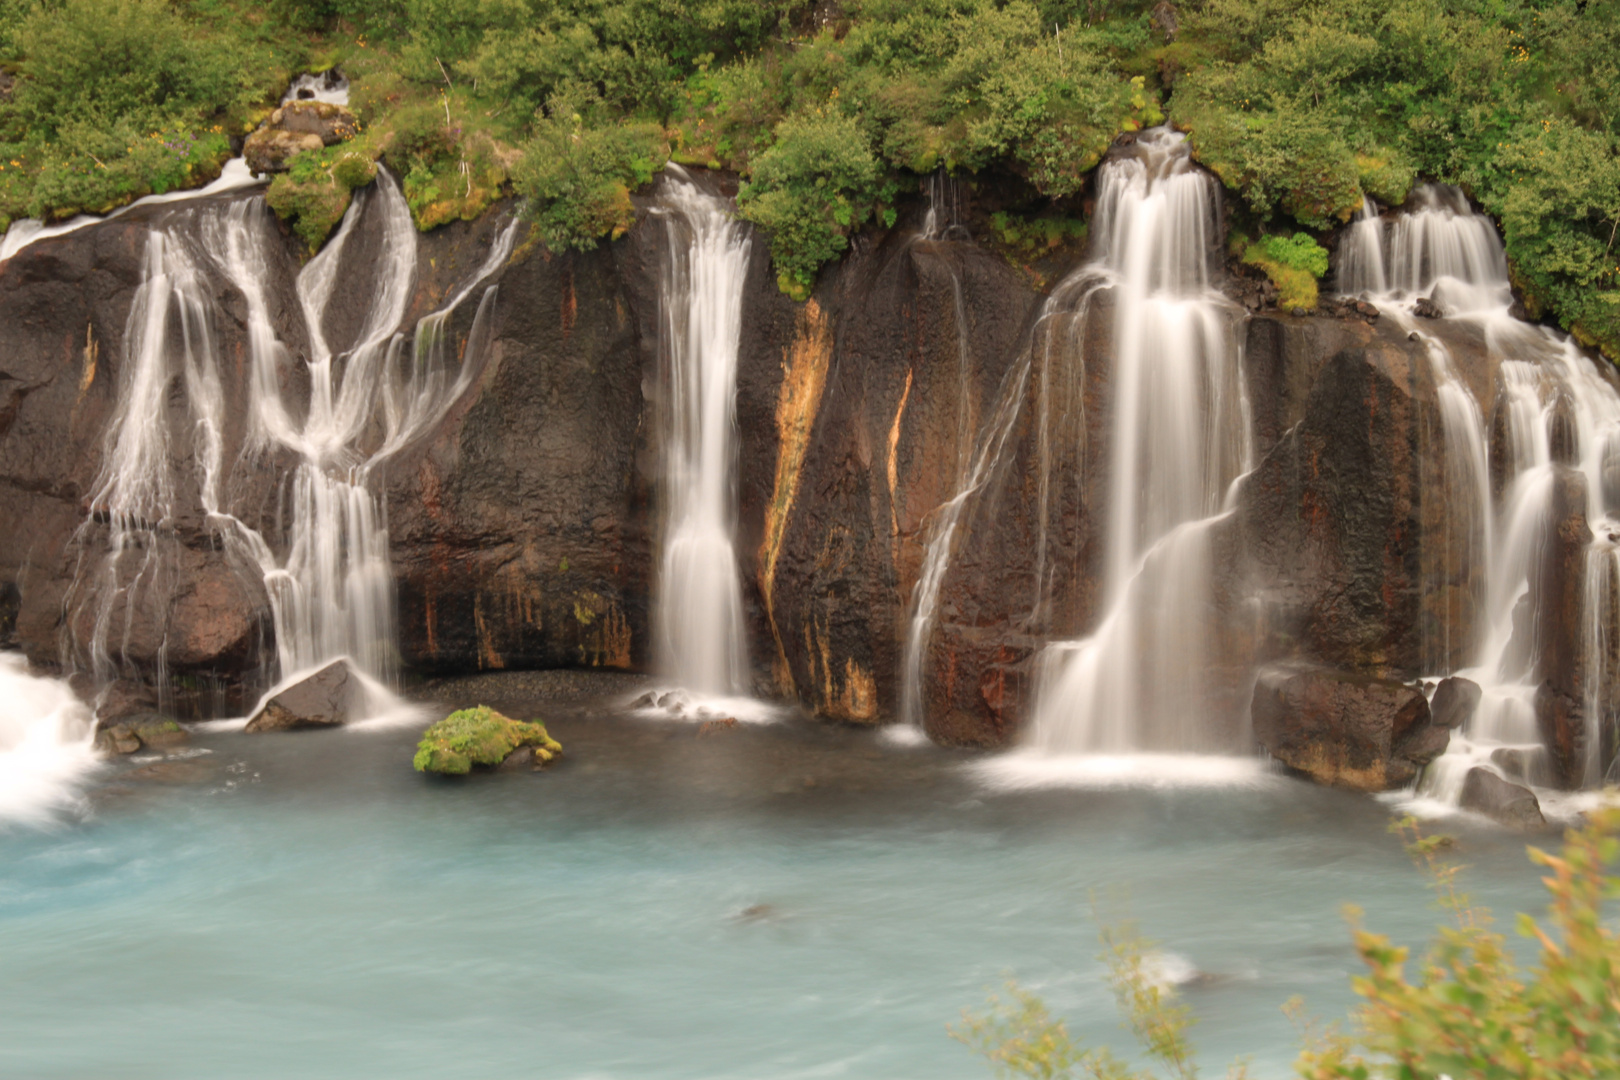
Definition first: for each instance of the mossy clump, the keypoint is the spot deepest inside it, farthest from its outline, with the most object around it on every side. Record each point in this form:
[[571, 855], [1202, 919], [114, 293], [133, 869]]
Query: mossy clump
[[1293, 263], [479, 736]]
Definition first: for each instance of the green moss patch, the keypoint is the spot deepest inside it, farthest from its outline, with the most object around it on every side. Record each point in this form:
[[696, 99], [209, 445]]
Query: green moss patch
[[479, 737], [1293, 263]]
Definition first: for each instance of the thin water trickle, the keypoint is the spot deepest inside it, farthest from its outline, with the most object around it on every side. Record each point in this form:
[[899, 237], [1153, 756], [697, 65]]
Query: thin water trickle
[[700, 635]]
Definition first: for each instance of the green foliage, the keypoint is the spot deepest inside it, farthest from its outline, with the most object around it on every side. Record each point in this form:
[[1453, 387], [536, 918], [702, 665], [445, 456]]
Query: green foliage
[[816, 184], [1304, 109], [315, 190], [578, 179], [479, 736], [1019, 1037], [1293, 263], [1472, 1011], [1026, 238], [135, 61]]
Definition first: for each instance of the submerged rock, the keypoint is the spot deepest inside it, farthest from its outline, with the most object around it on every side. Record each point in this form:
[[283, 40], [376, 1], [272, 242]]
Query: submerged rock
[[324, 699], [1486, 793], [1347, 730], [1454, 701], [481, 737]]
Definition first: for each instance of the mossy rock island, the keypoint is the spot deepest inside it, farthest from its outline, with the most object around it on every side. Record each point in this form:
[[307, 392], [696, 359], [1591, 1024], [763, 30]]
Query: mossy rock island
[[482, 738]]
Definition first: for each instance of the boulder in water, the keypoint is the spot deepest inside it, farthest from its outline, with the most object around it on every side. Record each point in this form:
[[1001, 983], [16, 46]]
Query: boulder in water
[[323, 700], [482, 738], [143, 730], [1345, 729], [1454, 702], [1508, 804], [1426, 308], [295, 128]]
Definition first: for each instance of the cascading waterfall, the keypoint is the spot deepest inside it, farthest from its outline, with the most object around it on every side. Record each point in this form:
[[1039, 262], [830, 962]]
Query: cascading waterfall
[[700, 638], [1180, 438], [331, 591], [1440, 253]]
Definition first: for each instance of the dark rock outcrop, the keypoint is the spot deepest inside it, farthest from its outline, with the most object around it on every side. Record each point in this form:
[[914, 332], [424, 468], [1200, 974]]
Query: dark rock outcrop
[[1343, 729], [322, 700], [1557, 598], [1508, 804], [1454, 701]]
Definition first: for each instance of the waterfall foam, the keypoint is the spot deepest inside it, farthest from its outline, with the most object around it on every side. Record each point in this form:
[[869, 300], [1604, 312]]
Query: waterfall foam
[[700, 638], [1438, 250], [45, 737]]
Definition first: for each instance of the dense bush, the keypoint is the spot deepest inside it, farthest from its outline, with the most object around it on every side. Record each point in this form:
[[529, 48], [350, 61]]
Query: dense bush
[[816, 184], [578, 178]]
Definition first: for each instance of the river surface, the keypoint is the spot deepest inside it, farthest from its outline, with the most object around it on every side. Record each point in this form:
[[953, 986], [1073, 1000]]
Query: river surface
[[772, 901]]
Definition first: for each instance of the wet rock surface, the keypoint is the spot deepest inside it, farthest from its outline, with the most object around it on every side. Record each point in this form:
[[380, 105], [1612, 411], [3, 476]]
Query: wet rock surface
[[1454, 701], [1343, 729], [323, 700], [1484, 792]]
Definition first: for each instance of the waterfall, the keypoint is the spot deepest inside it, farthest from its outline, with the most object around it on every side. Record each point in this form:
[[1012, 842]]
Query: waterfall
[[700, 636], [1439, 254], [326, 573], [1179, 439]]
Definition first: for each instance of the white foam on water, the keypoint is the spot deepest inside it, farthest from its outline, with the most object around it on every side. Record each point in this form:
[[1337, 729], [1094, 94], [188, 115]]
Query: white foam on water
[[1032, 769], [45, 745], [903, 735], [678, 703]]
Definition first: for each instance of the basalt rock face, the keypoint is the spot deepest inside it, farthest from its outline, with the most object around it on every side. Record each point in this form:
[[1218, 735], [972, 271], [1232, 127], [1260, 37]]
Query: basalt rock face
[[524, 524], [1351, 731], [178, 603]]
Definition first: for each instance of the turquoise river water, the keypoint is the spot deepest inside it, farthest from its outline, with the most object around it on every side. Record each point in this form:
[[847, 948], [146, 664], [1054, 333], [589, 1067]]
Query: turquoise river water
[[787, 900]]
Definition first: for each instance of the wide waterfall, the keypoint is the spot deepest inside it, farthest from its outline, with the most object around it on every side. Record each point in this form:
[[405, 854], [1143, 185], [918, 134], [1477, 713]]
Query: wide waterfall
[[700, 634], [325, 564], [1179, 438], [1438, 257]]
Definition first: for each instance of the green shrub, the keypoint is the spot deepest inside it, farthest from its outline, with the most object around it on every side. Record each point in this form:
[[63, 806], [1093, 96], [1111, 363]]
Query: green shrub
[[578, 179], [136, 61], [1293, 263], [1471, 1012], [479, 736], [816, 184]]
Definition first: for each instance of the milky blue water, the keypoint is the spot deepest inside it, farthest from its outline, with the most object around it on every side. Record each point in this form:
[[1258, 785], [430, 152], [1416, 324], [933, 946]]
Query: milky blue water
[[304, 905]]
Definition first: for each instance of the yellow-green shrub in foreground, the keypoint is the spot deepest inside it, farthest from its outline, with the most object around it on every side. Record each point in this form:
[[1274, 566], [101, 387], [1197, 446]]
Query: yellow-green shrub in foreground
[[1467, 1011]]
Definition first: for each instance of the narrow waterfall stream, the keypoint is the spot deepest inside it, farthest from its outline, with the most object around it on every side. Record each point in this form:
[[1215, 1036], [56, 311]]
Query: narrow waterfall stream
[[327, 576], [1440, 254], [700, 637]]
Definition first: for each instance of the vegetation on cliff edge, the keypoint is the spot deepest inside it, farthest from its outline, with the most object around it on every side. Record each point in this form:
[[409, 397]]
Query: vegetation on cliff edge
[[831, 113]]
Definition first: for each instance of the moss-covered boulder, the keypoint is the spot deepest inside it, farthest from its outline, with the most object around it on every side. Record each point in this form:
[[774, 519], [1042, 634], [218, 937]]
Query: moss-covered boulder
[[483, 738]]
